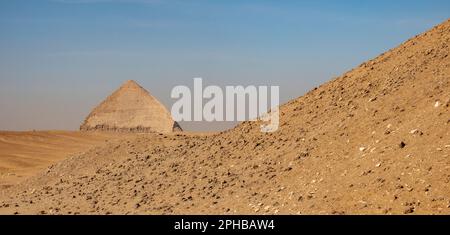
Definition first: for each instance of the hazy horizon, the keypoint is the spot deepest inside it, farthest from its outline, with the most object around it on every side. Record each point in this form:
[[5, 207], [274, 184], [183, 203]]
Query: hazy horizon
[[60, 58]]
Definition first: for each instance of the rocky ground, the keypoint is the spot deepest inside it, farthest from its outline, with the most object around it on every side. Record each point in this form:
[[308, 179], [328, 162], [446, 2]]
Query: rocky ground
[[375, 140]]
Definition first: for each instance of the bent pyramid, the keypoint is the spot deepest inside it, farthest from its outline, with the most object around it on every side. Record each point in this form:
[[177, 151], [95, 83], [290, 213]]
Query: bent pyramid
[[131, 108]]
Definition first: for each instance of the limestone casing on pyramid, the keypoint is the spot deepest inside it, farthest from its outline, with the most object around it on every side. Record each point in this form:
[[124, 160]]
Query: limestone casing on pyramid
[[131, 108]]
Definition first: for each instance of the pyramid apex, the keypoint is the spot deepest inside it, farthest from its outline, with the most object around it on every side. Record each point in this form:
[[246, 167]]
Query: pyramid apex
[[130, 83]]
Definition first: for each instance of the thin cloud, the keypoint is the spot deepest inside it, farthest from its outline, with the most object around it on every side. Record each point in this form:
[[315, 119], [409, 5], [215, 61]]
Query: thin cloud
[[153, 24], [106, 1], [93, 53]]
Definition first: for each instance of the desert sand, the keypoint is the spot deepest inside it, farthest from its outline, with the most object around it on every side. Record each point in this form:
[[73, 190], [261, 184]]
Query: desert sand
[[23, 154], [375, 140]]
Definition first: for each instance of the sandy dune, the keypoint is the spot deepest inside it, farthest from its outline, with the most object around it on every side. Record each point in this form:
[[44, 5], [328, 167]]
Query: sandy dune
[[23, 154]]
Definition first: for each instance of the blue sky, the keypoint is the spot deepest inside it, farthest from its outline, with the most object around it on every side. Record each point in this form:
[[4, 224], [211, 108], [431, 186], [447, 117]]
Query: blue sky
[[59, 58]]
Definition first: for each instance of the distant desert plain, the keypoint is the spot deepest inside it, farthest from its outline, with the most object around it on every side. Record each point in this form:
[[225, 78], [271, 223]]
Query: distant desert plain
[[24, 154]]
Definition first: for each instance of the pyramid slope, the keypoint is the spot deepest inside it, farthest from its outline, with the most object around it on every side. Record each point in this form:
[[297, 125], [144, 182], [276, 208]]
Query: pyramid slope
[[130, 108], [372, 141]]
